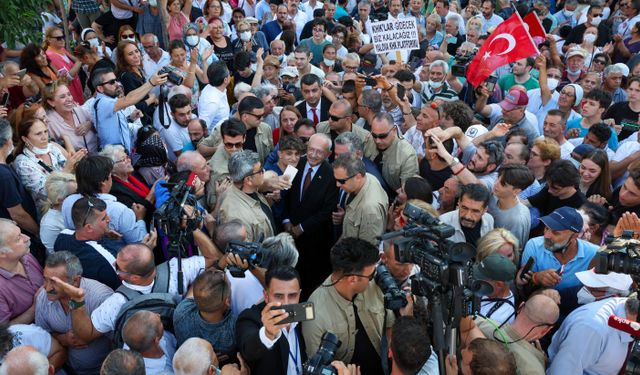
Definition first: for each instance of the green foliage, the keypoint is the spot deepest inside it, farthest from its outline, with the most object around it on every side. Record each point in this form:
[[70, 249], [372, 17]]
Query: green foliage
[[20, 21]]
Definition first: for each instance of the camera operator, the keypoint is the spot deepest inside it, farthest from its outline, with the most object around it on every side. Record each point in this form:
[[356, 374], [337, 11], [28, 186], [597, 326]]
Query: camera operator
[[499, 271], [401, 272], [535, 319], [350, 305], [410, 348], [267, 347], [483, 356], [585, 343], [471, 220], [108, 106]]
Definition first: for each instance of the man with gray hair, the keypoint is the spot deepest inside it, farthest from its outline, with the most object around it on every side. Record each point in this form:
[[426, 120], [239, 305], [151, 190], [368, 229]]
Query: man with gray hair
[[123, 362], [365, 213], [437, 87], [154, 58], [369, 104], [613, 80], [197, 357], [268, 93], [243, 200], [143, 332], [350, 143], [26, 360], [54, 315], [340, 121]]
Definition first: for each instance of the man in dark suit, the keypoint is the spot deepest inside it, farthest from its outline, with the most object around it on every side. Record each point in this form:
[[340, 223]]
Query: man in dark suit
[[310, 201], [315, 106], [263, 343]]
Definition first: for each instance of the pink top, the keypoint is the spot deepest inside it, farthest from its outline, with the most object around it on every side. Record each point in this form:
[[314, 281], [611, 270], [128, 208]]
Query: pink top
[[58, 127], [175, 26], [63, 64], [17, 291]]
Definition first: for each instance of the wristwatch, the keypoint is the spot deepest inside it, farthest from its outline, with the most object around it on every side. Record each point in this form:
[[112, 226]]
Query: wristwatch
[[454, 162], [74, 305]]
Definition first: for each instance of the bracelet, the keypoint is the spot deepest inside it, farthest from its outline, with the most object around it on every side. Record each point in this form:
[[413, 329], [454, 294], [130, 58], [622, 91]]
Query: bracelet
[[458, 172], [74, 305], [407, 114], [151, 83], [217, 265]]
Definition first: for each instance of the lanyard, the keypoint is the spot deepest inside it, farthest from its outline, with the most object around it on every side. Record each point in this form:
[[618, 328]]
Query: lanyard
[[295, 358]]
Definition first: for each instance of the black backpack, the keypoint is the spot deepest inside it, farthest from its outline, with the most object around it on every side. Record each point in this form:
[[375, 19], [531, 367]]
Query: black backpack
[[159, 301]]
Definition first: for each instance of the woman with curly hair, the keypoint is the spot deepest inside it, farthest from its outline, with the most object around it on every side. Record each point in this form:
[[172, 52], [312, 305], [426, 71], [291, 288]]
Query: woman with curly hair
[[66, 65], [34, 59]]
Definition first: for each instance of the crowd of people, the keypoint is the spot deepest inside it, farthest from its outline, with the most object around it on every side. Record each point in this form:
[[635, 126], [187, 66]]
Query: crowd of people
[[301, 144]]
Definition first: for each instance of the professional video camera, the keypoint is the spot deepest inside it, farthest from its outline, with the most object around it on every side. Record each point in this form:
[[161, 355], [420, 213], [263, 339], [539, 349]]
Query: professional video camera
[[320, 362], [459, 68], [445, 277], [394, 297], [620, 255], [252, 252]]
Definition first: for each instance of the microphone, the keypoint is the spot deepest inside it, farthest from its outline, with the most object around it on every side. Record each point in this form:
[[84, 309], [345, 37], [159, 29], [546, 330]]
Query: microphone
[[625, 325], [189, 184]]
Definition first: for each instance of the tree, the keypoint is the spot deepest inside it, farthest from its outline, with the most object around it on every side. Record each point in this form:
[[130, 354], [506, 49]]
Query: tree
[[20, 21]]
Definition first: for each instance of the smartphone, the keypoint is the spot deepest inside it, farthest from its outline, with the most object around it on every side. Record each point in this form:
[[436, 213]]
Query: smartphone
[[401, 91], [299, 312], [527, 267], [20, 73], [491, 83], [5, 99], [370, 81]]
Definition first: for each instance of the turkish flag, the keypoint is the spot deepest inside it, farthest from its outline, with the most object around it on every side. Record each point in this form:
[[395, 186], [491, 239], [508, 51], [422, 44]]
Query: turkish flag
[[534, 26], [509, 42]]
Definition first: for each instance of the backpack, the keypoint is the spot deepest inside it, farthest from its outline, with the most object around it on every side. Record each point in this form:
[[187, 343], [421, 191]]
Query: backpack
[[159, 301]]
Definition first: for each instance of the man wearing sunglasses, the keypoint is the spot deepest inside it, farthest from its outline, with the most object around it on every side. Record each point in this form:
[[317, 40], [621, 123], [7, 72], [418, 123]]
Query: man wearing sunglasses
[[340, 121], [365, 212], [394, 156], [234, 134], [350, 305]]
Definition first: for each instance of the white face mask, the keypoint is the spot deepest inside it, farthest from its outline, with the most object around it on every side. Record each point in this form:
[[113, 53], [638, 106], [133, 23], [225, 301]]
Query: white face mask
[[329, 62], [552, 83], [131, 39], [584, 296], [245, 36], [573, 72], [595, 21], [435, 85], [589, 38], [567, 13], [192, 40], [254, 67], [94, 42], [41, 151]]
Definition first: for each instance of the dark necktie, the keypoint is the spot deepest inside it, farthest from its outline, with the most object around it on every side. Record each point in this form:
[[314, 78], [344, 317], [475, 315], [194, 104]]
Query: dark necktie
[[307, 180], [315, 115]]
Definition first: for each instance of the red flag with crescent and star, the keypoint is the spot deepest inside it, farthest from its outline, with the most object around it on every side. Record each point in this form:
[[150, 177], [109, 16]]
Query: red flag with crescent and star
[[509, 42]]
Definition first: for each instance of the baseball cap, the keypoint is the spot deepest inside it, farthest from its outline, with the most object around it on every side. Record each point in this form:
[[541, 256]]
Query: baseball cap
[[514, 98], [475, 131], [583, 149], [495, 267], [272, 60], [577, 51], [613, 280], [289, 71], [251, 20], [564, 218], [624, 68]]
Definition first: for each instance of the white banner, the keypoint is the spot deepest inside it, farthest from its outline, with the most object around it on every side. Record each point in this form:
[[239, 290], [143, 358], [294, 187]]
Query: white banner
[[395, 35]]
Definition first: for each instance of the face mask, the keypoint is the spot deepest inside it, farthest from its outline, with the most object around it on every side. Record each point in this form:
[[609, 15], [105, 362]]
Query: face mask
[[94, 42], [40, 151], [589, 38], [192, 40], [452, 40], [573, 72], [584, 296], [552, 83], [435, 85], [567, 13], [254, 67], [245, 36], [131, 39], [595, 21], [329, 62]]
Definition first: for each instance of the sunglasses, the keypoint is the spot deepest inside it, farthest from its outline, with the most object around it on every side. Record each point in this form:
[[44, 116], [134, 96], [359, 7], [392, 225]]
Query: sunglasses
[[109, 82], [259, 117], [601, 62], [127, 36], [335, 118], [382, 136], [597, 15], [58, 38], [370, 277], [232, 145], [343, 181]]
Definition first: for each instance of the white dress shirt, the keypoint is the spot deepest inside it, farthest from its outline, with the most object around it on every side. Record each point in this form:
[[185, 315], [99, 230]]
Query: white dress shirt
[[213, 106], [295, 357]]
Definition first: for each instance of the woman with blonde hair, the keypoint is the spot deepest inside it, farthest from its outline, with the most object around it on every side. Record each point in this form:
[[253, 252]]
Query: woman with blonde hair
[[58, 186], [501, 241]]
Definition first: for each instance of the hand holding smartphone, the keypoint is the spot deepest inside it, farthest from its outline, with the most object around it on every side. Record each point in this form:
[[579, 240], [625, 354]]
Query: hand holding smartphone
[[299, 312]]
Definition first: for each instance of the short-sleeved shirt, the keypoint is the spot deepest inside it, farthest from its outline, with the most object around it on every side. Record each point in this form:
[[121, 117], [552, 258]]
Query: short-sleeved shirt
[[189, 323], [547, 203], [509, 80], [575, 124], [13, 193], [112, 126], [17, 291], [32, 335], [623, 115]]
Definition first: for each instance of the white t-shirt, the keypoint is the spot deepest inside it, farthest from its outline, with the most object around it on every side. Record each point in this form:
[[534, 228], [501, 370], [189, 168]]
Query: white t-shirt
[[104, 317], [123, 14], [245, 291], [628, 147], [504, 313], [565, 150], [33, 335]]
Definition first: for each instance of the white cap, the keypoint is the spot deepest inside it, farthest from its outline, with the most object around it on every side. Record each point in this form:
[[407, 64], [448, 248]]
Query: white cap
[[613, 280], [290, 71], [475, 130], [624, 67]]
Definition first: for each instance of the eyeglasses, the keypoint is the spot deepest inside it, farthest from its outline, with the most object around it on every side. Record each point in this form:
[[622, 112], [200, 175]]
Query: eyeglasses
[[109, 82], [597, 15], [58, 38], [259, 117], [261, 171], [127, 36], [567, 94], [335, 118], [382, 136], [319, 30], [232, 145], [343, 181], [346, 67], [370, 277], [601, 62], [126, 157]]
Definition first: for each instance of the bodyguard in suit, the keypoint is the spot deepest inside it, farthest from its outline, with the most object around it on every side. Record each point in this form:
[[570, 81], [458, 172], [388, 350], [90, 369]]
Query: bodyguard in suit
[[315, 106], [269, 348], [312, 198]]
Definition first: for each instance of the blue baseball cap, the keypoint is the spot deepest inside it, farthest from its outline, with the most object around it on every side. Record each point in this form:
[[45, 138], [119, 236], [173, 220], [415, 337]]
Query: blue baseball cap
[[564, 218]]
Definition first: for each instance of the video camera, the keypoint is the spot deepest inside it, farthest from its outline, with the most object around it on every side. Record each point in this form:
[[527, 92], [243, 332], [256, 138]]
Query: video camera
[[252, 252], [394, 297], [445, 277], [320, 362], [620, 255], [462, 60]]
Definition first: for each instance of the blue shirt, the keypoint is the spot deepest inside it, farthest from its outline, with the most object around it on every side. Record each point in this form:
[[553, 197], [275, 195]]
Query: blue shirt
[[545, 260], [271, 30], [585, 344], [112, 126], [575, 124]]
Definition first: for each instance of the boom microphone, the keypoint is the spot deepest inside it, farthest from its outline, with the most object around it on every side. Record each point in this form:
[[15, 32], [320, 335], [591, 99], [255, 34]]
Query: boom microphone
[[625, 325]]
